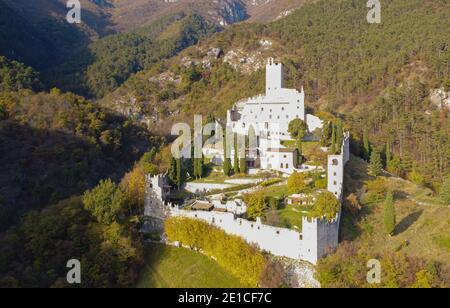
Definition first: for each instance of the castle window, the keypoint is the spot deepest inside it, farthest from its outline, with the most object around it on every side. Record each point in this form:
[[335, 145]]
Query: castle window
[[282, 108], [334, 174], [285, 156], [287, 166], [213, 220], [262, 109], [335, 162], [287, 117], [196, 216], [297, 116], [334, 183], [281, 166], [298, 107], [278, 117], [278, 232], [301, 237], [251, 226], [270, 117]]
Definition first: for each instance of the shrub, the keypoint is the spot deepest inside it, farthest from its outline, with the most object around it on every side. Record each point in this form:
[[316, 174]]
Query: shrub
[[256, 205], [327, 205], [296, 183], [352, 204], [375, 191], [416, 178]]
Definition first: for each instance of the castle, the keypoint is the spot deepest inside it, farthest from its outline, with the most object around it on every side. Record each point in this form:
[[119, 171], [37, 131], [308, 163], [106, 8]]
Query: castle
[[270, 116]]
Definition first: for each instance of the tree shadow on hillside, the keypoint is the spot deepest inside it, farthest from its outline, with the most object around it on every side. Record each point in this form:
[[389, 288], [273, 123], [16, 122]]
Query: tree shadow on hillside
[[407, 222], [40, 167]]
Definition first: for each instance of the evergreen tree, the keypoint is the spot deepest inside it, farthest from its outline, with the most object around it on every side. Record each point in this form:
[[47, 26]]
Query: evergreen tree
[[297, 129], [173, 171], [211, 119], [388, 153], [243, 165], [325, 139], [389, 214], [236, 157], [333, 139], [445, 191], [339, 137], [375, 165], [200, 165], [179, 173], [366, 144], [226, 161]]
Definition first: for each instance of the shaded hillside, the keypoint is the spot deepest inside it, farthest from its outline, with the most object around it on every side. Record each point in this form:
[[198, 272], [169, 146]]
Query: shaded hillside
[[15, 76], [54, 146], [347, 66], [106, 63]]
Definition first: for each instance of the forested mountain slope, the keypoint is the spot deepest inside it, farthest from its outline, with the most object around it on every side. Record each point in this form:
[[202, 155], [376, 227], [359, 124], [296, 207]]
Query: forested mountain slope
[[55, 145], [105, 64], [375, 76]]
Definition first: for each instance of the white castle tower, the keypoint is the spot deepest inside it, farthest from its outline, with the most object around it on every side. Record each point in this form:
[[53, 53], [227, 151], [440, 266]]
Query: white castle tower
[[274, 76]]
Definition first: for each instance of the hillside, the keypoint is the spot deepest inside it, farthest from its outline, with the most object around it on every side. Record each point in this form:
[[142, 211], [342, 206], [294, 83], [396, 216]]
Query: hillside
[[419, 250], [105, 64], [346, 65]]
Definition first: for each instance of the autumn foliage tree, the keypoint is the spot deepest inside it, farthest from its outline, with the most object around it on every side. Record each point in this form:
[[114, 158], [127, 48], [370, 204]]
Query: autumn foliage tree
[[296, 183], [231, 252]]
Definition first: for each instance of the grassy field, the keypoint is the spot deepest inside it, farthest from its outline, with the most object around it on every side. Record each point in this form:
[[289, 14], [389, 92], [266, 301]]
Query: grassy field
[[423, 222], [171, 267]]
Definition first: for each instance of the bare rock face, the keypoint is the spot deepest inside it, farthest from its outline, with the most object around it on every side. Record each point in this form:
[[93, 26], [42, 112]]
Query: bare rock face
[[299, 274], [440, 98]]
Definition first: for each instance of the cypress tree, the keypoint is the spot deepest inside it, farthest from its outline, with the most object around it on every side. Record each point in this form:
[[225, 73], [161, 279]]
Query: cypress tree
[[388, 153], [333, 139], [179, 176], [366, 144], [339, 137], [226, 159], [445, 191], [326, 135], [375, 165], [389, 214], [173, 171], [236, 158], [200, 165]]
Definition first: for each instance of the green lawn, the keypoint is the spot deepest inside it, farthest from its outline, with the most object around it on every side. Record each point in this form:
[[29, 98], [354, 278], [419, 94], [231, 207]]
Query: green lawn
[[292, 215], [171, 267]]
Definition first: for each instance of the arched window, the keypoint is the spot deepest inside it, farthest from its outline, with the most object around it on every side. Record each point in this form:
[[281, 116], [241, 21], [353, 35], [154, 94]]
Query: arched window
[[335, 162]]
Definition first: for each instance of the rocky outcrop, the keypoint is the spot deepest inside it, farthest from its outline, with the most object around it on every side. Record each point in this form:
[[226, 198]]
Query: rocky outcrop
[[440, 98]]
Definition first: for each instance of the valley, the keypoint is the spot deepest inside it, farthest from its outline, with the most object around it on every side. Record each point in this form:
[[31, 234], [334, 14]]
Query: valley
[[86, 112]]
